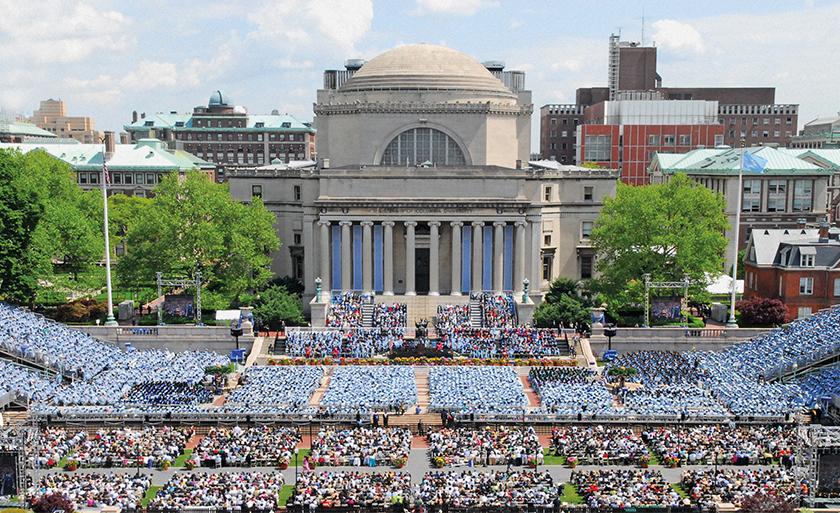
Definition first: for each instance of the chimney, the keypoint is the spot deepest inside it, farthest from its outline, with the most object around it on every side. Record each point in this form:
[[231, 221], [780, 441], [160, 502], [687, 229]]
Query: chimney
[[134, 116], [824, 230], [142, 115], [518, 164], [110, 143], [325, 163]]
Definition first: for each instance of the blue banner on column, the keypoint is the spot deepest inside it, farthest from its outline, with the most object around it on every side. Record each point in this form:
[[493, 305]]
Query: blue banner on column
[[466, 258], [487, 257], [508, 258], [335, 244], [378, 258], [357, 257]]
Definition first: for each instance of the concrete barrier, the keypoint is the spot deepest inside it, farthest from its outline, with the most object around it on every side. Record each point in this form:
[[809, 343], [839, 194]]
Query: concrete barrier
[[672, 339], [175, 337]]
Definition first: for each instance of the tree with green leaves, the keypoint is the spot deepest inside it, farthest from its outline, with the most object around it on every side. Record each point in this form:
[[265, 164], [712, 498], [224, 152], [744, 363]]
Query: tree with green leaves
[[275, 305], [193, 224], [668, 230], [565, 310], [45, 223]]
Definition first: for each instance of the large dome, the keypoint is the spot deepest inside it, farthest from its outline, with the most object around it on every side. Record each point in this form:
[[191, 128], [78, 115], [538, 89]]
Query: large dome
[[425, 67]]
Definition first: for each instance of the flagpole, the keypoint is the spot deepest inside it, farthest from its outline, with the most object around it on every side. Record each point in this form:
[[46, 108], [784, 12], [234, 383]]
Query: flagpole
[[109, 321], [732, 323]]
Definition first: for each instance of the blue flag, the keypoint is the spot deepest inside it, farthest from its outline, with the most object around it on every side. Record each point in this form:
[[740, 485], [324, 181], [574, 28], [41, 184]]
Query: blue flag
[[754, 163]]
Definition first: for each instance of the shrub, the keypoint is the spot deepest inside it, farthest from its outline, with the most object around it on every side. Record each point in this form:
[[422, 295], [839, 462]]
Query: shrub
[[50, 503], [763, 503], [762, 311]]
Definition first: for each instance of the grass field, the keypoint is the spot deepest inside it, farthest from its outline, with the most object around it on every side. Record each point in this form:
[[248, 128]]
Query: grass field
[[182, 459], [301, 454], [284, 494], [553, 460], [151, 493], [570, 495]]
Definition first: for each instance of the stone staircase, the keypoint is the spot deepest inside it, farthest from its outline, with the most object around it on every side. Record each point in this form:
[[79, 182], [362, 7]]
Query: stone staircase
[[476, 314], [315, 400], [367, 315], [15, 418]]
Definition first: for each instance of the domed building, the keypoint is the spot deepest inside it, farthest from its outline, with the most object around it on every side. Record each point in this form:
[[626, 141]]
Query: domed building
[[423, 103], [423, 189]]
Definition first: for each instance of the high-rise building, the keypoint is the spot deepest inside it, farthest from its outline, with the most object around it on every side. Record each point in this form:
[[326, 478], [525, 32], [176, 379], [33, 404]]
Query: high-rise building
[[819, 133], [52, 117], [227, 135]]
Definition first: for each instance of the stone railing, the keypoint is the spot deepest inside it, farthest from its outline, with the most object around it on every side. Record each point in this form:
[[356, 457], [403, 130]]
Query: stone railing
[[672, 339], [172, 337]]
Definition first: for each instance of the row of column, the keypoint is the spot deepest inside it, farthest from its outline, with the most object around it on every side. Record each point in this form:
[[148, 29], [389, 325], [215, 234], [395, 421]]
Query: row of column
[[477, 245]]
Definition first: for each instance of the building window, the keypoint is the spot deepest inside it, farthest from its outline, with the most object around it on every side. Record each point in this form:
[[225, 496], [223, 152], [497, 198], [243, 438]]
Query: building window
[[83, 178], [256, 191], [553, 133], [297, 266], [668, 140], [776, 195], [547, 193], [553, 121], [129, 179], [806, 286], [547, 265], [802, 191], [585, 267], [719, 139], [296, 192], [586, 229], [752, 196], [296, 238], [587, 193], [806, 260], [116, 178], [596, 148], [685, 140], [837, 286], [565, 133], [803, 311], [547, 240], [418, 145]]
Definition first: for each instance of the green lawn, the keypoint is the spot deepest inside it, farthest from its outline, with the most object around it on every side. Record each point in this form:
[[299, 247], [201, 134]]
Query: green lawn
[[654, 458], [151, 493], [677, 487], [551, 459], [302, 453], [570, 495], [62, 461], [182, 459], [284, 494]]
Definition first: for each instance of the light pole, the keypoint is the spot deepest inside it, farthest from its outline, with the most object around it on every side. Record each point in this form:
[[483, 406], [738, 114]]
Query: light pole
[[109, 321], [732, 323]]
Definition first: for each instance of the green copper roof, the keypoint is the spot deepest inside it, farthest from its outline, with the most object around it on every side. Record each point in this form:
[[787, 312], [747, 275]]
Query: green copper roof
[[255, 123], [23, 129], [726, 161]]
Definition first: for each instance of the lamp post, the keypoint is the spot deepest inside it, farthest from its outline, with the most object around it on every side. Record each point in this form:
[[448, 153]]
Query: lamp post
[[526, 286], [318, 289], [610, 332], [296, 467]]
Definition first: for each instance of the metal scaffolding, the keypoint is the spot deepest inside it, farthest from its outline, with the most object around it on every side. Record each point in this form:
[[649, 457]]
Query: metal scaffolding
[[183, 283]]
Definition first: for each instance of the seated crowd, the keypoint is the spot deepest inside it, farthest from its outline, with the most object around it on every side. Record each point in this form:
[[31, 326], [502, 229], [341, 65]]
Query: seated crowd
[[452, 316], [392, 315], [254, 491], [331, 490], [360, 446], [733, 485], [594, 445], [625, 488], [286, 387], [572, 399], [473, 447], [94, 491], [503, 342], [655, 368], [715, 444], [487, 490], [53, 445], [367, 388], [476, 390], [345, 310], [26, 383], [673, 401], [129, 447], [246, 446], [498, 310], [356, 343], [157, 392]]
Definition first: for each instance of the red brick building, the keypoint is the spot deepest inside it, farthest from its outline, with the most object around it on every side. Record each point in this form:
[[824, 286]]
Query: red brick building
[[799, 266]]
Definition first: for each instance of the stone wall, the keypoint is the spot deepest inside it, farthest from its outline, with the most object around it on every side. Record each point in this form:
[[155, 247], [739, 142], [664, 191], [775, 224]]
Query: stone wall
[[175, 338], [672, 339]]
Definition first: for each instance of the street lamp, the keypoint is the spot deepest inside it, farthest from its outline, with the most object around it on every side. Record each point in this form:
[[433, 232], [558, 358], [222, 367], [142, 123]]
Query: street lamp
[[610, 331], [296, 467]]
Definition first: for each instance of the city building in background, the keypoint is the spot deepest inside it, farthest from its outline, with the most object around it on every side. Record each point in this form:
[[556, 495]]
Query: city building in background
[[743, 113], [788, 193], [21, 131], [52, 117], [800, 266], [227, 135], [134, 169], [819, 133]]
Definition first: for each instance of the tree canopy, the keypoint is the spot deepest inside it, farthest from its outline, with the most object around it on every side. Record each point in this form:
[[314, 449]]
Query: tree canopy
[[275, 305], [193, 224], [668, 230], [45, 222]]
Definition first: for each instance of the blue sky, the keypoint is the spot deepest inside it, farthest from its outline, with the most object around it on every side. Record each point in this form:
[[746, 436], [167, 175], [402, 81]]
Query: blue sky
[[107, 58]]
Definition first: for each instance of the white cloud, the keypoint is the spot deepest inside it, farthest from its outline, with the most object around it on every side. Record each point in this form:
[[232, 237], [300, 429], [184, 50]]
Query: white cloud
[[151, 75], [305, 25], [55, 31], [516, 24], [291, 64], [458, 7], [677, 37]]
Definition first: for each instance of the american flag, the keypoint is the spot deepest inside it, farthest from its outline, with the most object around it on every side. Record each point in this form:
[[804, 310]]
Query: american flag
[[106, 176]]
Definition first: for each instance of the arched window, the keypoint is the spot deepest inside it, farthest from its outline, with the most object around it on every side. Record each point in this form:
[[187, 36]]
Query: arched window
[[418, 145]]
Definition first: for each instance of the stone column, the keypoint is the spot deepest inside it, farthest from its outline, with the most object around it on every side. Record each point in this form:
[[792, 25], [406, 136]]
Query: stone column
[[346, 256], [409, 258], [456, 257], [388, 258], [325, 256], [519, 256], [477, 262], [367, 256], [536, 259], [498, 255], [434, 258]]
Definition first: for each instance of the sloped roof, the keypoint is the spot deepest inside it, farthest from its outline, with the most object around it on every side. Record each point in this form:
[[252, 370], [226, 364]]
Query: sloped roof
[[726, 161], [766, 242], [23, 129], [827, 157], [162, 120]]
